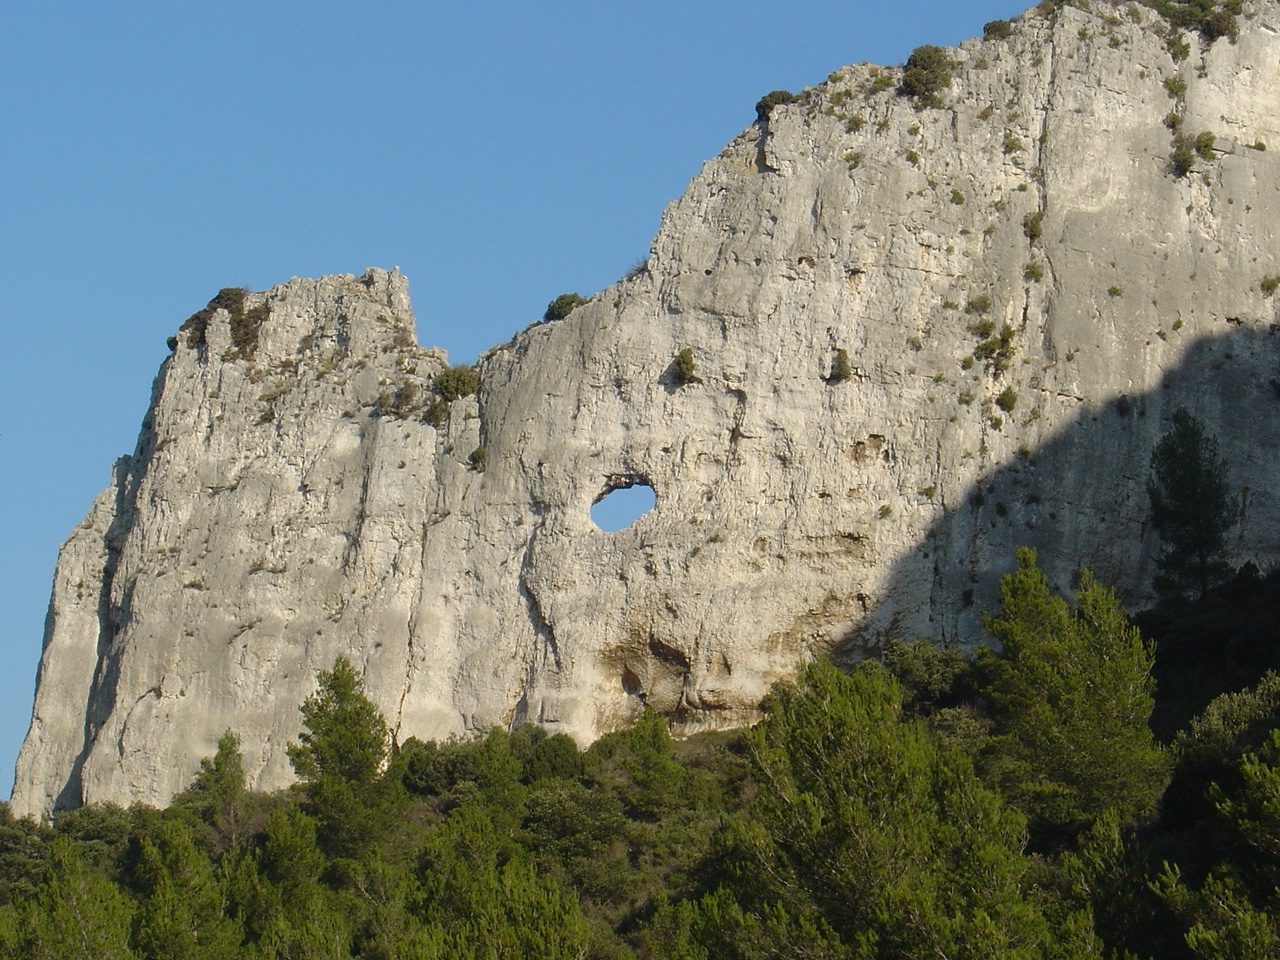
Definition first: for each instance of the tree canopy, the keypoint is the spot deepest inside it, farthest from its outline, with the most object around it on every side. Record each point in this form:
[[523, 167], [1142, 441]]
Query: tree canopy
[[1070, 695], [876, 813]]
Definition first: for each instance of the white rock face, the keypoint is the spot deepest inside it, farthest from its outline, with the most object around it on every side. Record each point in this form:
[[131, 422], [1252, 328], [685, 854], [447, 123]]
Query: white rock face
[[278, 512]]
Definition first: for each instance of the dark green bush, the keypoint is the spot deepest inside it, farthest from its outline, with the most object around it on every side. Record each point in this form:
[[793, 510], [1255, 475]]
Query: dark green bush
[[1007, 400], [997, 352], [1204, 144], [1210, 18], [562, 306], [683, 367], [982, 328], [1183, 159], [454, 383], [437, 413], [979, 304], [928, 73], [770, 100], [1032, 225], [403, 403], [230, 299], [880, 82], [479, 459], [997, 29]]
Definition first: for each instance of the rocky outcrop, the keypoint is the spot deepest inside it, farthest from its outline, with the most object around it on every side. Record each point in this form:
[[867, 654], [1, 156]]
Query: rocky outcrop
[[1023, 290]]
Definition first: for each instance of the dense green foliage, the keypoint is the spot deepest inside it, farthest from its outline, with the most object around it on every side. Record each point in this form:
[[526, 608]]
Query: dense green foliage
[[770, 100], [454, 383], [684, 369], [997, 30], [1212, 19], [1070, 697], [926, 75], [1008, 805], [562, 306], [871, 836]]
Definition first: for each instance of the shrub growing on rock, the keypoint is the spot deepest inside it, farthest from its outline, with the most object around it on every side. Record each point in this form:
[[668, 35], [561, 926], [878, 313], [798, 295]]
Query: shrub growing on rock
[[1183, 159], [770, 100], [454, 383], [684, 368], [927, 74], [997, 30], [1033, 225], [1204, 144], [562, 306]]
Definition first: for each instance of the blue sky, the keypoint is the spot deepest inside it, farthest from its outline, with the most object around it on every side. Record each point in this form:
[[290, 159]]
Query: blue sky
[[498, 152]]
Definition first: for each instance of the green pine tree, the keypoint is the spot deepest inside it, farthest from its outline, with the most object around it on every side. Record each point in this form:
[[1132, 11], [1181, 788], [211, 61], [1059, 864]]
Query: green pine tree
[[183, 913], [481, 892], [1071, 696], [872, 836], [23, 856], [288, 911], [346, 737], [219, 799], [340, 757], [76, 913]]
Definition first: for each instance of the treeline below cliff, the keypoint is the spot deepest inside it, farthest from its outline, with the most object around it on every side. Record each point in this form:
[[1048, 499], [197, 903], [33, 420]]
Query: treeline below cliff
[[1012, 804]]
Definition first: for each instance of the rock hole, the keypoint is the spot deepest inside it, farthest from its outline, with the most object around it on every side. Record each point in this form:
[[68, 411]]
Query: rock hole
[[624, 500], [631, 683]]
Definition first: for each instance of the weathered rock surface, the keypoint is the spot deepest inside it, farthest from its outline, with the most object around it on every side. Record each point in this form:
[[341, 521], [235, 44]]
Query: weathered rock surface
[[288, 502]]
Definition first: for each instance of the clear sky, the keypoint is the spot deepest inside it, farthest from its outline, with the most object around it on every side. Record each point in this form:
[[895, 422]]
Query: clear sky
[[499, 152]]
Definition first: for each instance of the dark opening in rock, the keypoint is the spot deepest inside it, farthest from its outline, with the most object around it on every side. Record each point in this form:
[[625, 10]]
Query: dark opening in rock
[[631, 683], [624, 500]]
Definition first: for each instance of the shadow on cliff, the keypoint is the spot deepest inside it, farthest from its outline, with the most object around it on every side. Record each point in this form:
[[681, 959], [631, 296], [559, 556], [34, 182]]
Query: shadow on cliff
[[1080, 499], [114, 601]]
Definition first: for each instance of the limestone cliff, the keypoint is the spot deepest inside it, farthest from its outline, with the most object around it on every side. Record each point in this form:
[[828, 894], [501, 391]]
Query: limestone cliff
[[1022, 285]]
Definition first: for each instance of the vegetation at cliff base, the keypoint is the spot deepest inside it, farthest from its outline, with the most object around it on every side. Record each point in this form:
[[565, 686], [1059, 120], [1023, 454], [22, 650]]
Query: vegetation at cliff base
[[1004, 804]]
